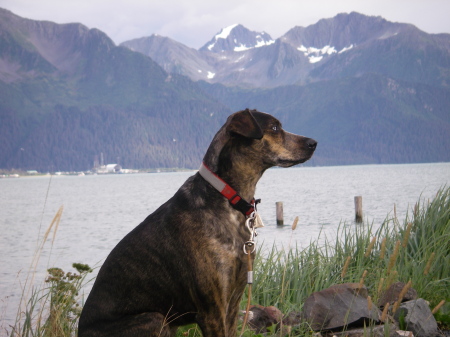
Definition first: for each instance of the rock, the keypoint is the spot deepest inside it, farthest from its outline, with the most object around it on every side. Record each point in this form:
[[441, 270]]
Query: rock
[[274, 313], [417, 317], [339, 306], [292, 319], [374, 331], [261, 318], [391, 294]]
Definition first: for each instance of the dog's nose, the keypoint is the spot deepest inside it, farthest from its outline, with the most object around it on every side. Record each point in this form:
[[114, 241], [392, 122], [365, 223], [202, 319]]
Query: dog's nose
[[311, 143]]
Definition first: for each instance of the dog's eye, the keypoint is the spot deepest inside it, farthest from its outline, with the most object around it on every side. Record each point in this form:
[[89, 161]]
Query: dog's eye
[[275, 128]]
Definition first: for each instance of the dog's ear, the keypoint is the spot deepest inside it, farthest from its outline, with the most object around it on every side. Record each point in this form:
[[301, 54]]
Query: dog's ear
[[242, 123]]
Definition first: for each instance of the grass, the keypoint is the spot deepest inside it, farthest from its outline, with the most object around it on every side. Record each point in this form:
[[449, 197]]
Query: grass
[[416, 252]]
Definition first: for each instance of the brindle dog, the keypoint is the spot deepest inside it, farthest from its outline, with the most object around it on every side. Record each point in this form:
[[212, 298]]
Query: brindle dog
[[185, 262]]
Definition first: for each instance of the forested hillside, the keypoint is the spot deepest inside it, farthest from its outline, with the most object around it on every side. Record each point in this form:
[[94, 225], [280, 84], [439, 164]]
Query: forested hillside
[[59, 113], [68, 94], [368, 119]]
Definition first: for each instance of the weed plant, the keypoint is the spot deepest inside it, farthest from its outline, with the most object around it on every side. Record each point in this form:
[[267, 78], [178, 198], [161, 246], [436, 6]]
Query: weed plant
[[53, 310], [416, 252]]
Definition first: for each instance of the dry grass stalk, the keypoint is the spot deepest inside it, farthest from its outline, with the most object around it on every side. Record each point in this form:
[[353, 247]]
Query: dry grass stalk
[[294, 224], [55, 222], [428, 266], [28, 286], [369, 303], [395, 307], [393, 257], [370, 246], [391, 278], [436, 308], [361, 281], [383, 248], [407, 233], [346, 264], [380, 286], [384, 313], [404, 290], [401, 295]]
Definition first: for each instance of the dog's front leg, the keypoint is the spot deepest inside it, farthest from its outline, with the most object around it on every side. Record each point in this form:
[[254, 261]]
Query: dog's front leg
[[218, 322], [233, 310], [213, 325]]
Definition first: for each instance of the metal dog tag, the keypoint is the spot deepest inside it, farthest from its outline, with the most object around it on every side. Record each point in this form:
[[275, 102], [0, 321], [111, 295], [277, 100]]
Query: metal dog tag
[[258, 221]]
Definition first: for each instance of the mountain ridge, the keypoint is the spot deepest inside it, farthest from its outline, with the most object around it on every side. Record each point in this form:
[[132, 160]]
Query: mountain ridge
[[68, 93], [301, 55]]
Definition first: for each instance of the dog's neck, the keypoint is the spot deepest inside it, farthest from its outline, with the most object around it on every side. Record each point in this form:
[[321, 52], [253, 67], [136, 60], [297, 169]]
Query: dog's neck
[[232, 162], [243, 179], [236, 200]]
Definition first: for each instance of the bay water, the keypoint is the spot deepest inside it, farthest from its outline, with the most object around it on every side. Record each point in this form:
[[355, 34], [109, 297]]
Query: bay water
[[99, 210]]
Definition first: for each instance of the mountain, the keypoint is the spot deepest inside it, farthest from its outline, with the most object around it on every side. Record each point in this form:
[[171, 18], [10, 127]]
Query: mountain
[[237, 38], [68, 94], [345, 45], [172, 56], [213, 62], [370, 91]]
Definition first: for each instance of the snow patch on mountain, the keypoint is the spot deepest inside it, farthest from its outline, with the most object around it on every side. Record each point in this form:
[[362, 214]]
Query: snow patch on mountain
[[224, 33], [260, 40], [210, 75], [239, 59], [316, 54], [259, 43], [345, 49]]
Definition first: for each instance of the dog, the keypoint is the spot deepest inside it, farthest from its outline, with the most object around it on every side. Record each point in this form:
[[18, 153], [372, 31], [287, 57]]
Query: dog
[[185, 263]]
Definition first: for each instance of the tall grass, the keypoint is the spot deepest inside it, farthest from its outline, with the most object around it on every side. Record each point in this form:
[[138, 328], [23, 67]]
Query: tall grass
[[416, 252]]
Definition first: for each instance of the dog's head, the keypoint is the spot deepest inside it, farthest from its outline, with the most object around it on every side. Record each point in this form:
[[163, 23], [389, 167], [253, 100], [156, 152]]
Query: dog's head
[[259, 137]]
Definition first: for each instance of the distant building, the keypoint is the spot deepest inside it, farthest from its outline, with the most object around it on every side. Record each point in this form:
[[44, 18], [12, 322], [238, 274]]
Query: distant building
[[110, 168], [113, 168]]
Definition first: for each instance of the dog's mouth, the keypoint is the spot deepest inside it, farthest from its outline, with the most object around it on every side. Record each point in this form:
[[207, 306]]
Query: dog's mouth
[[311, 145], [289, 162]]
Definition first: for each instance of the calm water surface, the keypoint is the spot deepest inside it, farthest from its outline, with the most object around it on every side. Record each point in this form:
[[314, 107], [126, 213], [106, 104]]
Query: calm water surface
[[100, 210]]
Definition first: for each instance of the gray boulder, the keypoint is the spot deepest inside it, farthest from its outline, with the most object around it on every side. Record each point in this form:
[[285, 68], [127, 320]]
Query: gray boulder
[[417, 317], [339, 306]]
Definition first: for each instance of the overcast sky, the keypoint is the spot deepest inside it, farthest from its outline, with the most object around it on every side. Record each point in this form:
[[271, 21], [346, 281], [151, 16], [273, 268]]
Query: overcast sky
[[195, 22]]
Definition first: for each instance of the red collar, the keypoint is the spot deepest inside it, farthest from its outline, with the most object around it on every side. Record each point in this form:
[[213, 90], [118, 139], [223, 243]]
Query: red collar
[[227, 191]]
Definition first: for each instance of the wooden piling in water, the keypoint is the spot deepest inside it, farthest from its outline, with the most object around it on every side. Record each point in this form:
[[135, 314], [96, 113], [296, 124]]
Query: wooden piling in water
[[279, 207], [358, 209]]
